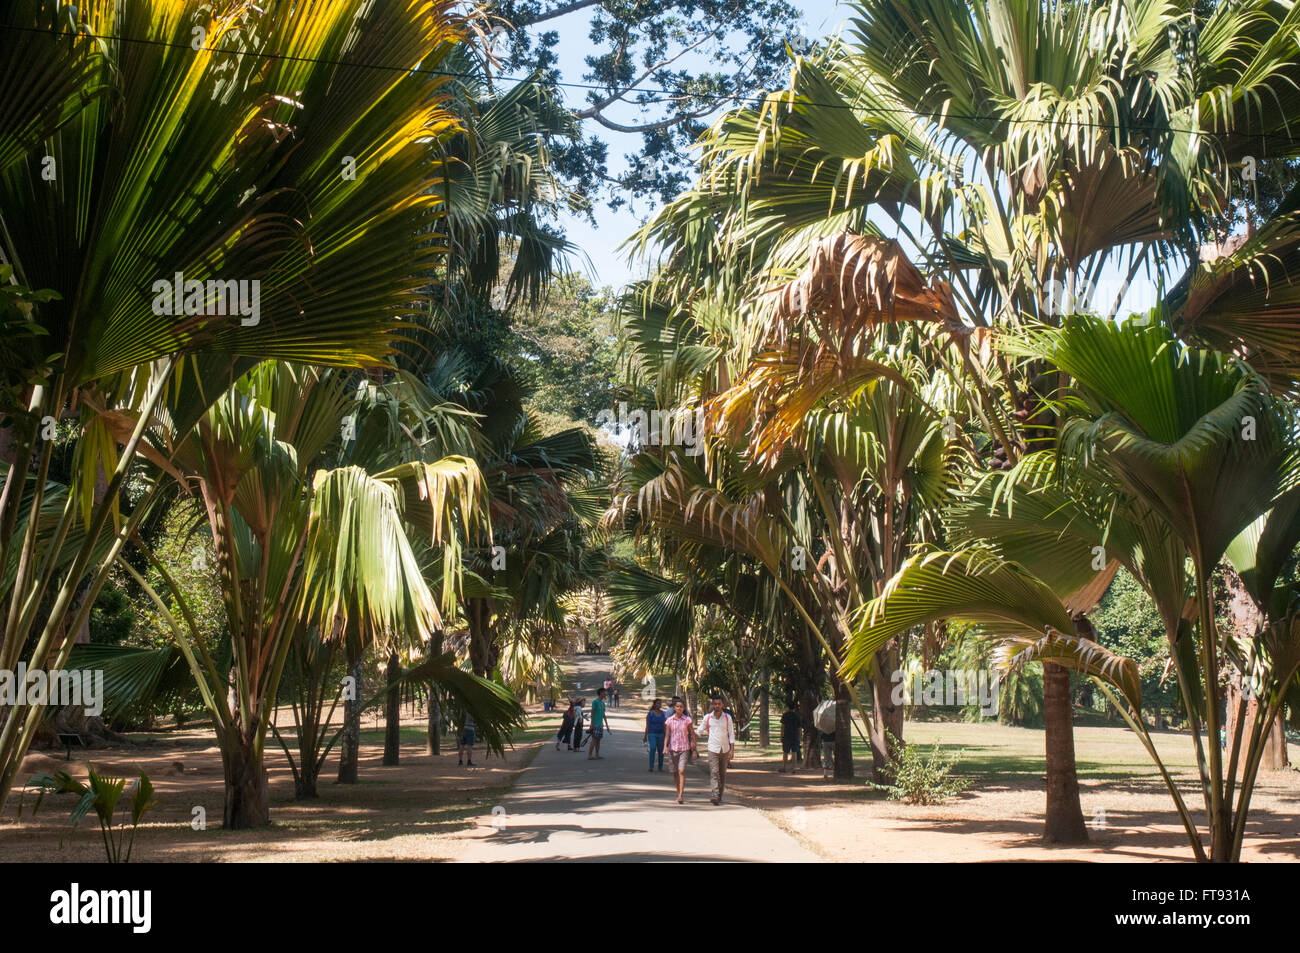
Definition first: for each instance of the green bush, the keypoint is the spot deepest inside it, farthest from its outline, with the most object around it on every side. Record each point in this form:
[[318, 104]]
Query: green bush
[[102, 794], [920, 780]]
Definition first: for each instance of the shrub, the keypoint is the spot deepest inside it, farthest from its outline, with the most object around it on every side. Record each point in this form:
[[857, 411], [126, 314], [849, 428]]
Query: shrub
[[102, 794], [920, 780]]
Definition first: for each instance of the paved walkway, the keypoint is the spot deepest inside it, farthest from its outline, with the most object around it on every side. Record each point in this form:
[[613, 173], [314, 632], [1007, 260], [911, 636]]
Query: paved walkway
[[565, 807]]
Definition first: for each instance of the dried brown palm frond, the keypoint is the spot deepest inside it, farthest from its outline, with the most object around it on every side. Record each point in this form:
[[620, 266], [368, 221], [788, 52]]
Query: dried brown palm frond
[[769, 403], [676, 502], [852, 284], [819, 337], [1244, 298]]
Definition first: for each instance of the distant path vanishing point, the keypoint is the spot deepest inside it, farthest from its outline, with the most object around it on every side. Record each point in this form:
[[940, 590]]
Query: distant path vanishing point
[[565, 807]]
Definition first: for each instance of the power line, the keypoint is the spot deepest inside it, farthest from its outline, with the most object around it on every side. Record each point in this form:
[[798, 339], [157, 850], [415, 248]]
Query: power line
[[668, 93]]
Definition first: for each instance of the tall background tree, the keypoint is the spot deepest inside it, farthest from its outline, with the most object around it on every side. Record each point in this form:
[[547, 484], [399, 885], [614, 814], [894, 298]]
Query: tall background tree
[[657, 70]]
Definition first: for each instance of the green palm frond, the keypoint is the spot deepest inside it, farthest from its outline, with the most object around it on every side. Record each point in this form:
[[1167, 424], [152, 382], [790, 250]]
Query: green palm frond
[[971, 585], [1190, 433], [136, 680], [653, 615], [46, 76], [497, 714], [357, 561]]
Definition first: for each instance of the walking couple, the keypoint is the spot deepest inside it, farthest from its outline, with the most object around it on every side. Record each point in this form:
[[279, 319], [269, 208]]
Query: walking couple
[[674, 732], [570, 733]]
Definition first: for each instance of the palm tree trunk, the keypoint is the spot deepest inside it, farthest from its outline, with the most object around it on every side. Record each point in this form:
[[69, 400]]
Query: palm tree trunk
[[812, 749], [843, 728], [433, 744], [351, 740], [304, 786], [393, 712], [888, 718], [1064, 814], [308, 769], [247, 802], [480, 638], [1274, 753], [1246, 621], [1220, 821], [764, 714]]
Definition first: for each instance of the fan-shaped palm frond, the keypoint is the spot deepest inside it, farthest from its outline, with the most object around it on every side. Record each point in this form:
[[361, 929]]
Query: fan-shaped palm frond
[[971, 585]]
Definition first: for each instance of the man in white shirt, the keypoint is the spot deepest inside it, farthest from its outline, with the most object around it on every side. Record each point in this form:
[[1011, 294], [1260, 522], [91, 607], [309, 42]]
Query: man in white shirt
[[720, 729]]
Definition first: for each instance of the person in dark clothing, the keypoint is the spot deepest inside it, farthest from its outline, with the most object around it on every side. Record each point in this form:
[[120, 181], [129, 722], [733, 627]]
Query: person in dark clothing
[[578, 723], [791, 739], [565, 734]]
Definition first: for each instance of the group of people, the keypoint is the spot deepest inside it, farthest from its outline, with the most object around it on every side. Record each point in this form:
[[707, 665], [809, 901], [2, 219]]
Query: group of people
[[674, 733], [612, 692], [792, 743], [572, 723]]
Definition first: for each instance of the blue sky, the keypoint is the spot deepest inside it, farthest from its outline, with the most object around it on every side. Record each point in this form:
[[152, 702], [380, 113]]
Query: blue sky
[[604, 264]]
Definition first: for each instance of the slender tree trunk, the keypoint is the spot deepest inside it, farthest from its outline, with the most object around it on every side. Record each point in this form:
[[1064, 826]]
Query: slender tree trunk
[[350, 743], [1274, 756], [480, 638], [812, 745], [1064, 815], [1275, 753], [887, 716], [764, 714], [433, 744], [393, 712], [843, 728], [247, 801], [304, 786], [83, 634], [1246, 620], [304, 779], [808, 688]]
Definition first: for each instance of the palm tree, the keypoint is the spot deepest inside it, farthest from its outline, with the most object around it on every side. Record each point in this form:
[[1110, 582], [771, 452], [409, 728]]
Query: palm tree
[[407, 418], [304, 172], [1201, 443], [838, 434], [1173, 455], [874, 449], [543, 509], [300, 548], [387, 426], [1018, 150], [500, 188]]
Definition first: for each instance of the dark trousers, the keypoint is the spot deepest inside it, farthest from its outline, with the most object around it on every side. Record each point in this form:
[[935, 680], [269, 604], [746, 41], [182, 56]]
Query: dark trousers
[[717, 774]]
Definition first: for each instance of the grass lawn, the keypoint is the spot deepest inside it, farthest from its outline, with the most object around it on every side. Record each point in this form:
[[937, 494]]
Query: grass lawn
[[999, 817]]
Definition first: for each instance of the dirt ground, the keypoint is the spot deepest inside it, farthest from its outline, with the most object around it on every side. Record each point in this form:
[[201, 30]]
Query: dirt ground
[[412, 811], [1000, 816], [424, 808]]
